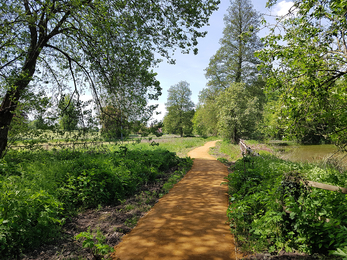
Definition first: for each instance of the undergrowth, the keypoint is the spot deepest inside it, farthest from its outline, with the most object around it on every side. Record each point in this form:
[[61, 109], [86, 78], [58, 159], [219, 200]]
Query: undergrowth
[[272, 209], [38, 190]]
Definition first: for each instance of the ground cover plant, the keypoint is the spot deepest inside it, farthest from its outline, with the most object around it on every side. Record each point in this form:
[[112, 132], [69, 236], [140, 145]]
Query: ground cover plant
[[41, 190], [272, 209]]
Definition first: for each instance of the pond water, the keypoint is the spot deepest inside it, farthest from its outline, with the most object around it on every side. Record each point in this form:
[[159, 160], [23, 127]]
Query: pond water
[[309, 153]]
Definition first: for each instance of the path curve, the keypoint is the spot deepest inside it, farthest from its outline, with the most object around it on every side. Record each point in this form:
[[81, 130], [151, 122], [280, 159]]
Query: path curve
[[187, 223]]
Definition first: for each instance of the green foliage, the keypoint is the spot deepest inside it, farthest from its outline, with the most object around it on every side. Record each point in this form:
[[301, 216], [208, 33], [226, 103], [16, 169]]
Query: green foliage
[[235, 61], [238, 114], [259, 189], [156, 128], [184, 166], [114, 124], [306, 64], [95, 242], [205, 119], [341, 252], [116, 43], [222, 160], [27, 216], [180, 110], [69, 113], [131, 222], [38, 188]]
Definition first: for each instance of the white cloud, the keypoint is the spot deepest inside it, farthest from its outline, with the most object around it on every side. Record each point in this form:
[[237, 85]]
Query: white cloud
[[282, 8]]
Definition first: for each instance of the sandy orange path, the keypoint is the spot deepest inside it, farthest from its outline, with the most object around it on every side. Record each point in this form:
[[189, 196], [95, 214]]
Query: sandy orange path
[[188, 222]]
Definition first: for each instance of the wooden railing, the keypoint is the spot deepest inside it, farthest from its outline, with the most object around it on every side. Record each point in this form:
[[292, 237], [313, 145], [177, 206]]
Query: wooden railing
[[246, 149]]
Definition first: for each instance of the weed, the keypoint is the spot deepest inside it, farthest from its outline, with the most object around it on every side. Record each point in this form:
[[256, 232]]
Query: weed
[[222, 160], [131, 222], [129, 207], [341, 253], [273, 210], [95, 242], [38, 188]]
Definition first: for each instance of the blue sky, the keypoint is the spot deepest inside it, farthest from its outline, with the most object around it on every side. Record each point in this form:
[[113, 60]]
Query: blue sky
[[190, 67]]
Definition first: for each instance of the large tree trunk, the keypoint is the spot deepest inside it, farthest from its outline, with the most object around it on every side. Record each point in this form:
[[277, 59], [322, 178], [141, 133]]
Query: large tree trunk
[[11, 99], [8, 106], [234, 138]]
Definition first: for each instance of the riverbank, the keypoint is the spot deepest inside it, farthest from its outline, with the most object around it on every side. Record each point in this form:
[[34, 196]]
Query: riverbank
[[273, 210]]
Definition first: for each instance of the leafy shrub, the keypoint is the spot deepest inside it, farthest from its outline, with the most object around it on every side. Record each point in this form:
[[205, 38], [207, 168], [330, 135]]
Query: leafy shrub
[[272, 208], [27, 217], [38, 188], [90, 188]]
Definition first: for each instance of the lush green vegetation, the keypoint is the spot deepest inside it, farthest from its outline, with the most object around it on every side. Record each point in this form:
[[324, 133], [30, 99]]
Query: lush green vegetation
[[40, 39], [180, 109], [39, 189], [306, 78], [272, 208]]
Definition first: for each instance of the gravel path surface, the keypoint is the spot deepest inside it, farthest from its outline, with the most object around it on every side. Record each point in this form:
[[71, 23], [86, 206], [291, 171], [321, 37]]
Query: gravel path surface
[[187, 223]]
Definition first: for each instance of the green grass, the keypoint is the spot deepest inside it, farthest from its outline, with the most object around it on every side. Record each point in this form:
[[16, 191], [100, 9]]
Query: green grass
[[182, 146]]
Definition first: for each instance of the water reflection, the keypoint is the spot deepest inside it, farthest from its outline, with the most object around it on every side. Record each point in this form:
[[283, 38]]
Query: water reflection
[[309, 153]]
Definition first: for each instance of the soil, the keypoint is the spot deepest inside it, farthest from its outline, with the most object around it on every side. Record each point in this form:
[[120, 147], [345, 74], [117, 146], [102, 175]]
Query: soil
[[113, 221]]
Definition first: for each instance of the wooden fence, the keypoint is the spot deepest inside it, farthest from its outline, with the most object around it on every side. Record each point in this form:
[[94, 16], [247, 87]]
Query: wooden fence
[[245, 150]]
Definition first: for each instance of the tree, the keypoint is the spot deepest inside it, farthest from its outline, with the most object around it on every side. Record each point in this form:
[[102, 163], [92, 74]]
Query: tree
[[238, 112], [69, 113], [205, 117], [89, 43], [305, 55], [114, 125], [180, 110], [234, 61]]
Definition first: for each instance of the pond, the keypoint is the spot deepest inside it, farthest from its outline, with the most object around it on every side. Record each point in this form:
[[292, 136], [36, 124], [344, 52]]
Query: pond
[[308, 153]]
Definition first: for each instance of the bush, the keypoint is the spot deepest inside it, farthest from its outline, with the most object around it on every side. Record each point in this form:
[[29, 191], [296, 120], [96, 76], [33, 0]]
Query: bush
[[38, 188], [272, 208], [27, 217]]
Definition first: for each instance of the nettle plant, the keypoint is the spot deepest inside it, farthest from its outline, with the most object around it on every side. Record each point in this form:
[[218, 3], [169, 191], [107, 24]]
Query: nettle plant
[[96, 242], [273, 209]]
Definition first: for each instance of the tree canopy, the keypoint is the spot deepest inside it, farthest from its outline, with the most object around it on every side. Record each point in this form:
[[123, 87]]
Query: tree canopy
[[234, 61], [305, 55], [180, 109], [238, 112], [90, 43]]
